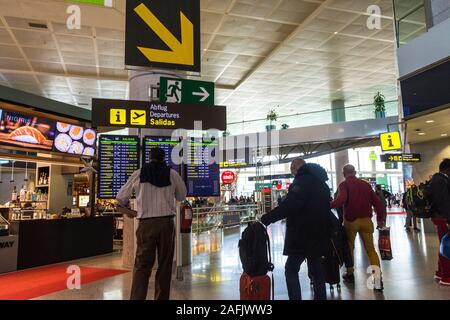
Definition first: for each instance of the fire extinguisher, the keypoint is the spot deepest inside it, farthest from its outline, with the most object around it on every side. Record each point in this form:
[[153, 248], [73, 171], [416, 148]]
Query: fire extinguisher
[[186, 217]]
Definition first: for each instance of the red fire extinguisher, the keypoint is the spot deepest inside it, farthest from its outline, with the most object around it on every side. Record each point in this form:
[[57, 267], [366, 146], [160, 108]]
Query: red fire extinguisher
[[186, 218]]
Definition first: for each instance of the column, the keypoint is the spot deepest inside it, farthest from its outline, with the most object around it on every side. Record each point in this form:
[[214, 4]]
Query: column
[[341, 157], [141, 84]]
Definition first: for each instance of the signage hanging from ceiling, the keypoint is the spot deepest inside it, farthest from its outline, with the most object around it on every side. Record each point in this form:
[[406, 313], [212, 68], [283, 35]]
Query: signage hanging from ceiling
[[176, 90], [163, 34], [145, 114], [403, 157], [390, 141], [228, 177], [103, 3]]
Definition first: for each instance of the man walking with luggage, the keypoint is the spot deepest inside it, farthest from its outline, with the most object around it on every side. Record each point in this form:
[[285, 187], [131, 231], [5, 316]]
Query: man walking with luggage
[[440, 204], [357, 198], [156, 187], [307, 209]]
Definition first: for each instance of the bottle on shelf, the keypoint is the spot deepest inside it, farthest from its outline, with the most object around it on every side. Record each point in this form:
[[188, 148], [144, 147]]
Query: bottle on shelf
[[23, 193], [14, 194]]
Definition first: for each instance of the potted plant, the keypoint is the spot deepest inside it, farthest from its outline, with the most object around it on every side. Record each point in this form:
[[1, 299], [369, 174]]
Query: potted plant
[[271, 117], [380, 109], [284, 126]]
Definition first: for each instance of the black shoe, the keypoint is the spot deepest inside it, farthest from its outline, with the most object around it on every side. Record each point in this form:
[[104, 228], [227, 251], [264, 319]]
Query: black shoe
[[417, 229], [349, 278], [407, 229]]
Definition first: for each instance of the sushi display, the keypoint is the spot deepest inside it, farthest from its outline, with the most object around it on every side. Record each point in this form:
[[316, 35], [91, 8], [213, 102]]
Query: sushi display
[[74, 139]]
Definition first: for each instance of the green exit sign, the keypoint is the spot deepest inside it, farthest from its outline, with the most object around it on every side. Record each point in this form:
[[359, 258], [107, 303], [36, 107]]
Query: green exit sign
[[103, 3], [186, 91]]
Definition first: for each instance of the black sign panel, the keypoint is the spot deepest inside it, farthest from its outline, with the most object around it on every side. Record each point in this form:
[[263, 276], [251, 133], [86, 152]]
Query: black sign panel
[[163, 34], [118, 159], [202, 178], [144, 114], [165, 143], [404, 157]]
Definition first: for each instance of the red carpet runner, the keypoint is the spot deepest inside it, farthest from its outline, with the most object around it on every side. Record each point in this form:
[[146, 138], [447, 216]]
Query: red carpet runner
[[34, 283]]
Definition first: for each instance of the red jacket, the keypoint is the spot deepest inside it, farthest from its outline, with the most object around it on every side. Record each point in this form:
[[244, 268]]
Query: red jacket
[[357, 198]]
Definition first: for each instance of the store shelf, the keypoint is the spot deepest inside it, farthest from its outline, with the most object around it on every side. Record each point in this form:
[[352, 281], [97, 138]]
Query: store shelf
[[42, 186]]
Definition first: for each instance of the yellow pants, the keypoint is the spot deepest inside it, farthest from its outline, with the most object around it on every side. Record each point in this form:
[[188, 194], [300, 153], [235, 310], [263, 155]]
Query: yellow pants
[[365, 228]]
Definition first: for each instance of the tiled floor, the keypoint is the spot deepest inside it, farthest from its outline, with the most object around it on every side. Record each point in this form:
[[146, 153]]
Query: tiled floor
[[216, 269]]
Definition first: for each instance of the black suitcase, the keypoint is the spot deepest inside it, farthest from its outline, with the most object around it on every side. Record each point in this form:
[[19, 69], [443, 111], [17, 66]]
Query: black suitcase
[[331, 271]]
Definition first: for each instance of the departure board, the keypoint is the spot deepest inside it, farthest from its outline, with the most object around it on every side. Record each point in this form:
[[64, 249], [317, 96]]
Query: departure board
[[118, 159], [165, 143], [202, 178]]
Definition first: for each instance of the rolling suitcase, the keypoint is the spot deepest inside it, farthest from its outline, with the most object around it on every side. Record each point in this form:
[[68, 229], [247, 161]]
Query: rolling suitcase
[[255, 288], [384, 244], [331, 270], [256, 258]]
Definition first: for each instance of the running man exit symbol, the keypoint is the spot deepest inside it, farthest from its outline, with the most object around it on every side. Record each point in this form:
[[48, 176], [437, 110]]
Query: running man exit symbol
[[174, 91], [390, 141], [118, 116], [138, 117]]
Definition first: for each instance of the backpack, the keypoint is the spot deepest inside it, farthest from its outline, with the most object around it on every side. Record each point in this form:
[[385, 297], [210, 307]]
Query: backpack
[[254, 250], [418, 200]]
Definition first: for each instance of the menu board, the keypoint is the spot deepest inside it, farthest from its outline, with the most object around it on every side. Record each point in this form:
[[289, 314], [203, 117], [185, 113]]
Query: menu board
[[164, 142], [26, 131], [118, 159], [74, 139], [202, 178]]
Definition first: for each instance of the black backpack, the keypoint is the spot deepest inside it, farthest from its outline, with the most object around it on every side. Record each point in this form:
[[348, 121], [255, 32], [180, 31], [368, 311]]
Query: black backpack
[[254, 250], [418, 200]]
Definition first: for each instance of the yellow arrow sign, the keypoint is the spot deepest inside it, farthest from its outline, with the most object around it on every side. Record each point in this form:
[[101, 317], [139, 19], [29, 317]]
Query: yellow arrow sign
[[181, 52]]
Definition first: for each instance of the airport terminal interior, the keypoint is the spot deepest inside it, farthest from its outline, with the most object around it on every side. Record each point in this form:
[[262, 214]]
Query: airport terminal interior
[[235, 93]]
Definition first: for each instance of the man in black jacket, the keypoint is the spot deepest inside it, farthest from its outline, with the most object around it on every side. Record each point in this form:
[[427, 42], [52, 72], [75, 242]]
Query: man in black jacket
[[307, 209], [440, 204]]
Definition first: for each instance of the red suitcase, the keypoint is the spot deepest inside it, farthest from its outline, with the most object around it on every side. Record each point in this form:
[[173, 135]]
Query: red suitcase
[[255, 288]]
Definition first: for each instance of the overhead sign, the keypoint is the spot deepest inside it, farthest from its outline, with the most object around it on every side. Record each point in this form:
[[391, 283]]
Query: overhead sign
[[228, 177], [186, 91], [390, 141], [163, 34], [104, 3], [403, 157], [145, 114]]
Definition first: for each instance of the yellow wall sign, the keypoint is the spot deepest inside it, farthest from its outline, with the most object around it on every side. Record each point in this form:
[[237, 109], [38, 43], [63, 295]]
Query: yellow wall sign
[[117, 116], [138, 117], [390, 141]]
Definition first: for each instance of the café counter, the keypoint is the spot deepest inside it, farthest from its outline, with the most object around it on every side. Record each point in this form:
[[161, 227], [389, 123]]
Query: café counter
[[43, 242]]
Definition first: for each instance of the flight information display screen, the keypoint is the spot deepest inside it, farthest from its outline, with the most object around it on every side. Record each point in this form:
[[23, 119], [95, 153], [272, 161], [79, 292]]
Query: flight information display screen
[[167, 144], [118, 159], [202, 178]]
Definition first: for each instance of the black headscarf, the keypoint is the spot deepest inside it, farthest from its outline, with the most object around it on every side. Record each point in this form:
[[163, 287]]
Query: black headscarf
[[156, 173]]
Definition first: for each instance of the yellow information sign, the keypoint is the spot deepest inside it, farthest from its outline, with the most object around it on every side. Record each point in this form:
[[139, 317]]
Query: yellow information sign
[[138, 117], [390, 141], [118, 116]]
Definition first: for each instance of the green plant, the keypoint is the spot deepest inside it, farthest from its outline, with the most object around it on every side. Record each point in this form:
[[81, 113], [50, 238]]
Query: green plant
[[284, 126], [378, 102], [272, 116]]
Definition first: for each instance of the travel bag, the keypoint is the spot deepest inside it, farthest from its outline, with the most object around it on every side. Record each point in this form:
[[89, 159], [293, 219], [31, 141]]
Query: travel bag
[[256, 259], [384, 243]]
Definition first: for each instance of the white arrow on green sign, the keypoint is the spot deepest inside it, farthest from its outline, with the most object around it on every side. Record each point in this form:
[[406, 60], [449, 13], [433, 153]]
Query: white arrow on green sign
[[176, 90]]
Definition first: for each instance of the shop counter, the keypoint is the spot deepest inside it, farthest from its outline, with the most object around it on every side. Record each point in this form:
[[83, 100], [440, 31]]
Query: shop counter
[[8, 253], [43, 242]]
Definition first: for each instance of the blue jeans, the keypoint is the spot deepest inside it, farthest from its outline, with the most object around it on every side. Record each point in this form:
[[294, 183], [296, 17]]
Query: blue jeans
[[292, 268]]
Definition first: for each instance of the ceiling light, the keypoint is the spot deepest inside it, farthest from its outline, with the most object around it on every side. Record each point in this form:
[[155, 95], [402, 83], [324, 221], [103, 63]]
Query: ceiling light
[[336, 32], [430, 121], [422, 133], [444, 135]]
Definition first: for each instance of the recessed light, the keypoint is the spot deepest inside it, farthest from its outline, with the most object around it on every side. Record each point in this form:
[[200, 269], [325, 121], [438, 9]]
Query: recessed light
[[336, 32], [444, 135], [422, 133], [430, 121]]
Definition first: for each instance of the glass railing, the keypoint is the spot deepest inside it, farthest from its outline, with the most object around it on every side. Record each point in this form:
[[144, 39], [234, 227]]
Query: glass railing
[[311, 118], [410, 20]]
